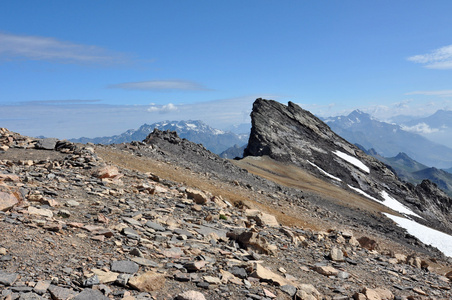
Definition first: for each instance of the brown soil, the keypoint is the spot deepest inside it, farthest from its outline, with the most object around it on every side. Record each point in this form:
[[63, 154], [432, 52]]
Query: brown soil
[[232, 193]]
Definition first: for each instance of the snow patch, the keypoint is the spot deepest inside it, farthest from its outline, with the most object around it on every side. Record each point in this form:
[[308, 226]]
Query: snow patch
[[388, 202], [353, 160], [324, 172], [363, 193], [192, 126], [396, 205], [218, 131], [425, 234]]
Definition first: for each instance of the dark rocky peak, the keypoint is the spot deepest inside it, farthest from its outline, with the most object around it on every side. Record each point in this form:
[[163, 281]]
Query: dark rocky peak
[[403, 156], [293, 135], [404, 159], [277, 130], [372, 152], [167, 135]]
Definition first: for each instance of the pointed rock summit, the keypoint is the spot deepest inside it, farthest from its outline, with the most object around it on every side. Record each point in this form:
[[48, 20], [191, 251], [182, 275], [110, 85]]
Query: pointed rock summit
[[290, 134], [284, 132]]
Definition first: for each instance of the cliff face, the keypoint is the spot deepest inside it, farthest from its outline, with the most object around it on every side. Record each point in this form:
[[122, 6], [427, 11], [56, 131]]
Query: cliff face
[[293, 135], [281, 131]]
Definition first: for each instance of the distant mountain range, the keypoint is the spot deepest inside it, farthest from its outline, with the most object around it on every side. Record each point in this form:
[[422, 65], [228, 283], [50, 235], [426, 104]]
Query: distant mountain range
[[436, 127], [198, 132], [233, 152], [409, 170], [390, 139], [383, 139]]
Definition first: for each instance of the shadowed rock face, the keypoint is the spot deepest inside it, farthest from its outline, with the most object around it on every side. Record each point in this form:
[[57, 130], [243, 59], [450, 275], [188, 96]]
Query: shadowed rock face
[[279, 131], [293, 135]]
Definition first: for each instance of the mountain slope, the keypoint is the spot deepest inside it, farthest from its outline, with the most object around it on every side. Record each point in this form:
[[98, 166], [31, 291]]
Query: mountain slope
[[403, 161], [441, 178], [196, 131], [233, 152], [414, 172], [126, 214], [402, 164], [389, 139], [292, 135]]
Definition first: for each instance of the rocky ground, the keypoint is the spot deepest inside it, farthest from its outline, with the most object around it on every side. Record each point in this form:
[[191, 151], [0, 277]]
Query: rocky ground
[[153, 221]]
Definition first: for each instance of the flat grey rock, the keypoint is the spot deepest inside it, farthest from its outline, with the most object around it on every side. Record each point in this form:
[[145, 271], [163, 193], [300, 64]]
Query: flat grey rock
[[89, 294], [124, 266], [130, 233], [289, 289], [155, 226], [59, 293], [8, 278], [145, 262], [46, 144], [30, 296], [206, 230]]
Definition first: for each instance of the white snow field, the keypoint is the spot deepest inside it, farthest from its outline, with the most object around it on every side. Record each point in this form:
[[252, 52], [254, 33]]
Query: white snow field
[[353, 160], [388, 202], [396, 205], [425, 234], [324, 172], [359, 191]]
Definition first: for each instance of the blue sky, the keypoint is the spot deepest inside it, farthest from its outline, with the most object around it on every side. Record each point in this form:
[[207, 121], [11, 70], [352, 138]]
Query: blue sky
[[93, 68]]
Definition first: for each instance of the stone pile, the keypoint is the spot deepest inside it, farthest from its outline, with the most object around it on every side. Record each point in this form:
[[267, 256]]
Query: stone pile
[[84, 229]]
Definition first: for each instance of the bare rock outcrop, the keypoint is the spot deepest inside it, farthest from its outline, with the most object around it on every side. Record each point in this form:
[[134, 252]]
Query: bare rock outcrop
[[290, 134]]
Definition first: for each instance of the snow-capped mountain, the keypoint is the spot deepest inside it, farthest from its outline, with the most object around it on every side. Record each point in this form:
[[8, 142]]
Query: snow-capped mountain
[[198, 132], [389, 139]]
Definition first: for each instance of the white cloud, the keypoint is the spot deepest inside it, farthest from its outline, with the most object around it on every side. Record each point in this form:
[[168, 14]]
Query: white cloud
[[403, 104], [51, 49], [162, 85], [421, 128], [440, 93], [440, 58], [57, 102], [409, 107], [69, 119], [163, 108]]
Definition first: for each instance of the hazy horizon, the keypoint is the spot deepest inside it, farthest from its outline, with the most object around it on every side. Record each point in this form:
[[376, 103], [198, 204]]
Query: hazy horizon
[[73, 69]]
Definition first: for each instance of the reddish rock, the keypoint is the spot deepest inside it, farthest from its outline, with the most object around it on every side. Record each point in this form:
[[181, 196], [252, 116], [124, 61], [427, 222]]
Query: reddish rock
[[148, 282], [377, 294], [7, 201], [308, 292], [9, 177], [191, 295], [266, 275], [326, 270], [198, 196], [368, 243], [107, 172], [252, 240]]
